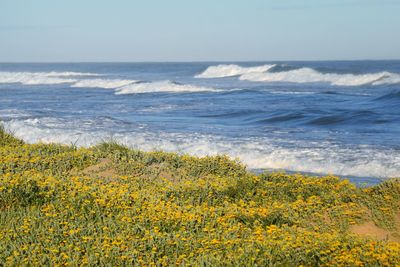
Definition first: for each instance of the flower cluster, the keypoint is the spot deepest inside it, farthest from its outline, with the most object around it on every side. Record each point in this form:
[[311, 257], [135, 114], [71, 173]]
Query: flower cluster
[[162, 209]]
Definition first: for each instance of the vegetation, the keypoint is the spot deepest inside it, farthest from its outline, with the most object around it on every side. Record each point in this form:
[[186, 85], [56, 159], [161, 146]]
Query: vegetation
[[109, 205]]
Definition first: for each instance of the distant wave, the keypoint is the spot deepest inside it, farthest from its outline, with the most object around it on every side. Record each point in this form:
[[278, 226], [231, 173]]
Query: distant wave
[[121, 86], [102, 83], [161, 86], [390, 97], [263, 73], [221, 71], [308, 75], [66, 73], [339, 118], [390, 79], [347, 117], [36, 78]]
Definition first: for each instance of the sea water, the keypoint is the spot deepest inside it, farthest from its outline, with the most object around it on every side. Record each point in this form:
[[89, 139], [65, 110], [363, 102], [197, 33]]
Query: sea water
[[339, 118]]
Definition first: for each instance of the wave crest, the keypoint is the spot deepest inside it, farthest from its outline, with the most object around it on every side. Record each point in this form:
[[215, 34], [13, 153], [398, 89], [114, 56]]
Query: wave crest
[[161, 86], [257, 153], [308, 75], [230, 70], [102, 83], [67, 74], [36, 78]]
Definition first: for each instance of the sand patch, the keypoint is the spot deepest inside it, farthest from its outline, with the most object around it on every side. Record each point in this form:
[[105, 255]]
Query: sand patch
[[103, 170], [369, 229]]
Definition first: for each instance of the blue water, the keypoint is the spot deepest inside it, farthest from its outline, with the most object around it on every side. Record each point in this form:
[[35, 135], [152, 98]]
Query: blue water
[[339, 118]]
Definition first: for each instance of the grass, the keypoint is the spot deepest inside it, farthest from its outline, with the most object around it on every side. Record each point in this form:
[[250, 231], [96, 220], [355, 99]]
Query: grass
[[112, 206]]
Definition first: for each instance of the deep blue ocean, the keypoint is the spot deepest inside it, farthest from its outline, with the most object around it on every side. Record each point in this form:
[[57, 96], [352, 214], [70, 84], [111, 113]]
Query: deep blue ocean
[[339, 118]]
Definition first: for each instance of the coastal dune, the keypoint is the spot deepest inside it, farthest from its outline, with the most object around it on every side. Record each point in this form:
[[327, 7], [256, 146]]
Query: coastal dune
[[111, 205]]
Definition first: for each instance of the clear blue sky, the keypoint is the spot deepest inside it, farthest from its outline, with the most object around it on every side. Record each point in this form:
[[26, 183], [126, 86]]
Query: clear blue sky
[[198, 30]]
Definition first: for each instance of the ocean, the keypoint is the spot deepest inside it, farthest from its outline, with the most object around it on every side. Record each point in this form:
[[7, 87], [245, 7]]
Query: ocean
[[325, 117]]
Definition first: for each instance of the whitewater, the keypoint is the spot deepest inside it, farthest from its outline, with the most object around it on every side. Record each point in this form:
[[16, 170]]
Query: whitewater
[[339, 118]]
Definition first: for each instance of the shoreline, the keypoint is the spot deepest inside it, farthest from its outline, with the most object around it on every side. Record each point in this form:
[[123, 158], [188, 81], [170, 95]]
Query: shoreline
[[360, 181], [357, 180]]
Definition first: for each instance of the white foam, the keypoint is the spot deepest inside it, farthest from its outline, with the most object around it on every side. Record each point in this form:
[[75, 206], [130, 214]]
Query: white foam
[[390, 79], [36, 78], [362, 161], [161, 86], [159, 108], [220, 71], [12, 113], [102, 83], [67, 74], [30, 78], [308, 75], [292, 93]]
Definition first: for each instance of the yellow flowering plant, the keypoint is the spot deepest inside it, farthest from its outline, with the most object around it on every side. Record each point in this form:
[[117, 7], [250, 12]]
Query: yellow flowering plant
[[110, 205]]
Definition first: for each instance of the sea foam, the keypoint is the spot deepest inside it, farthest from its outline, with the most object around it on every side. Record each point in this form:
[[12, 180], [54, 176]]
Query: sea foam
[[221, 71], [256, 153], [102, 83], [67, 73], [36, 78], [161, 86], [308, 75], [264, 73]]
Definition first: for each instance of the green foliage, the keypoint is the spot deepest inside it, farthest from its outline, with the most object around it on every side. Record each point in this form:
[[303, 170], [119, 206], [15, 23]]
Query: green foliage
[[6, 139], [383, 202], [165, 209], [135, 162], [51, 158]]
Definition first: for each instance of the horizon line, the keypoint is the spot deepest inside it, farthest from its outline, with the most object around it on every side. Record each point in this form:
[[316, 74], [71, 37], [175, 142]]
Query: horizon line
[[194, 61]]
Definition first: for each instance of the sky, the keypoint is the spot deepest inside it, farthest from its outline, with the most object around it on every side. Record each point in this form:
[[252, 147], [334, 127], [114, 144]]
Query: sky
[[198, 30]]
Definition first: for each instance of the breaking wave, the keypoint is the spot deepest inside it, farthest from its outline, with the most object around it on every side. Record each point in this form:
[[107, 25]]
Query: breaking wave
[[67, 73], [161, 86], [102, 83], [221, 71], [308, 75], [257, 153], [36, 78], [121, 86]]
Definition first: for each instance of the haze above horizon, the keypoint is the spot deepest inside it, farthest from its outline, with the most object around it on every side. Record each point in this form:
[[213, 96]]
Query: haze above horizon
[[178, 30]]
